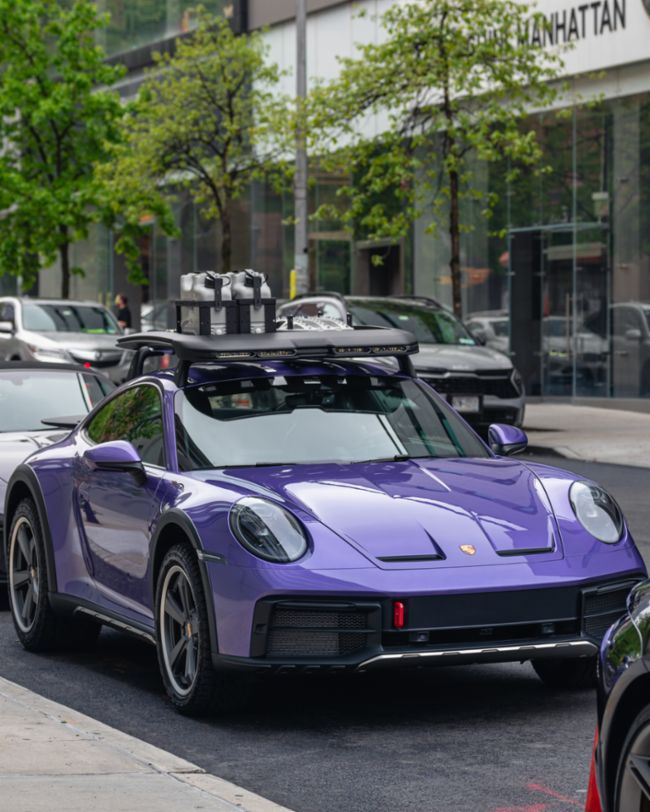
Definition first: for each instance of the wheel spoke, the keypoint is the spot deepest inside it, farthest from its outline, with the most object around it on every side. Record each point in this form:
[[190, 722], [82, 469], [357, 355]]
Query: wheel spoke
[[190, 662], [20, 577], [185, 596], [176, 652], [173, 609], [24, 542], [27, 604], [640, 770]]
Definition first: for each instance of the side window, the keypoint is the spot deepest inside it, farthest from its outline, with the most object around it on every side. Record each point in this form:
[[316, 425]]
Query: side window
[[96, 388], [136, 416], [7, 312]]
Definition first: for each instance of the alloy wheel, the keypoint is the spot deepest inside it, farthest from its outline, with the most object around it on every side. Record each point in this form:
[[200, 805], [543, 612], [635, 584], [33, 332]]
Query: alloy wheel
[[179, 630], [24, 574], [634, 792]]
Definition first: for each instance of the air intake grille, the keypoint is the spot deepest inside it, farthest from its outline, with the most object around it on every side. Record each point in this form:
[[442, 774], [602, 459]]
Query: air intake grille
[[316, 633], [501, 387], [601, 609]]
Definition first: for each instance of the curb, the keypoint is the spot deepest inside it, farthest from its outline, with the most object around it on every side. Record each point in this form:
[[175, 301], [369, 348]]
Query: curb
[[149, 758]]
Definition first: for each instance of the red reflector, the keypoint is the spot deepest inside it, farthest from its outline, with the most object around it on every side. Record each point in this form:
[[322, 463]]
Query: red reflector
[[398, 614], [87, 365], [593, 798]]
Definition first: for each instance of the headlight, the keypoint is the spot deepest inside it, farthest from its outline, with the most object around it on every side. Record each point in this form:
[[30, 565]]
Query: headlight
[[267, 530], [517, 381], [42, 354], [596, 511]]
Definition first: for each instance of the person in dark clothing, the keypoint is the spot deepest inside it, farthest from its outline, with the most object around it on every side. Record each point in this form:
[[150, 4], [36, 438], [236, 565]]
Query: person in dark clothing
[[122, 311]]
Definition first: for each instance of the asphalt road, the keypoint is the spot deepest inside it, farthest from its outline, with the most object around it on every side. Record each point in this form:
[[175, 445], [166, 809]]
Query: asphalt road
[[462, 739]]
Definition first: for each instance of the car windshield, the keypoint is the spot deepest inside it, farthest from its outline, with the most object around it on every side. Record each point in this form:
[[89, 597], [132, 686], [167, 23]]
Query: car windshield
[[428, 324], [68, 318], [29, 396], [325, 418], [501, 328]]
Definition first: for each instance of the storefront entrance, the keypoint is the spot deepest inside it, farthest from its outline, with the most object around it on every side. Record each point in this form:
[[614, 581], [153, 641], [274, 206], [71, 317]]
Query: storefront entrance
[[560, 309]]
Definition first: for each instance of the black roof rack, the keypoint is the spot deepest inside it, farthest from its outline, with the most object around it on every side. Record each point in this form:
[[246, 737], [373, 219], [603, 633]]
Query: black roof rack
[[284, 345]]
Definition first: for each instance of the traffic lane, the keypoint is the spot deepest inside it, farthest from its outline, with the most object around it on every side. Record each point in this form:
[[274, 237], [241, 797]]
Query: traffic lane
[[471, 739], [480, 738]]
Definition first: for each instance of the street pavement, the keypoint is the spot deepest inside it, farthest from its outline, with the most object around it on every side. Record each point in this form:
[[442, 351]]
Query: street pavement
[[54, 758], [473, 739], [589, 433]]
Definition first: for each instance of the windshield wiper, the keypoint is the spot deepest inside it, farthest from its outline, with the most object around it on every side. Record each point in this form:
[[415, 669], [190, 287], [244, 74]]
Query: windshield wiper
[[394, 458]]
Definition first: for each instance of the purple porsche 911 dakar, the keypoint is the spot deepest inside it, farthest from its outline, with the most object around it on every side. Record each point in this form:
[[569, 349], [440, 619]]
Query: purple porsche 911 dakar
[[298, 500]]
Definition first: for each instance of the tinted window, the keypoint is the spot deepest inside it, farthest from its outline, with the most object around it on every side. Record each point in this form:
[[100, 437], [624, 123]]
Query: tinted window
[[428, 325], [316, 419], [29, 396], [68, 318], [7, 312], [135, 416]]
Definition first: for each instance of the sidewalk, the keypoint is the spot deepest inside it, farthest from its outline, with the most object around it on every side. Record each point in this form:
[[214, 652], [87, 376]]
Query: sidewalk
[[53, 758], [589, 433]]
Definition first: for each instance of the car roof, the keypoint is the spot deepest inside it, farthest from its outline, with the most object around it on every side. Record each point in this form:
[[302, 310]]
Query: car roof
[[73, 302]]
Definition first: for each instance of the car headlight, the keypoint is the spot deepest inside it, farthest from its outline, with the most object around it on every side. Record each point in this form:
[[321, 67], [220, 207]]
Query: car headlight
[[517, 381], [596, 511], [267, 530], [50, 354]]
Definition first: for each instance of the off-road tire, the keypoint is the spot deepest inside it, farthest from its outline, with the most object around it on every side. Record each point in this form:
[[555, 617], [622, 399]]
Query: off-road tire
[[44, 630], [208, 691]]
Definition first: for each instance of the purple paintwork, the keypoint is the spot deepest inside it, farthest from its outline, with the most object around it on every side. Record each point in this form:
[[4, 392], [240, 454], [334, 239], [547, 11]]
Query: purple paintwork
[[515, 516], [506, 440]]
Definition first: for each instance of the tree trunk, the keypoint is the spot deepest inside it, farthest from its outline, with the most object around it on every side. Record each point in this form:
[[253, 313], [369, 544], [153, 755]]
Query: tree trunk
[[226, 241], [64, 254], [454, 234]]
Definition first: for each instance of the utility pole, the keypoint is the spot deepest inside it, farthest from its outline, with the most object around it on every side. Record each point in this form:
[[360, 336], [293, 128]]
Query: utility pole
[[301, 257]]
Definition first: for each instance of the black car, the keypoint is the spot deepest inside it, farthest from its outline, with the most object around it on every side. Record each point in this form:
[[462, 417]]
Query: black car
[[38, 404], [478, 381], [620, 770]]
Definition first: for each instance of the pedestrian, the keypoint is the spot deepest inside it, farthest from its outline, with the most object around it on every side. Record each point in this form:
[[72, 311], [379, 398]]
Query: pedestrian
[[122, 313]]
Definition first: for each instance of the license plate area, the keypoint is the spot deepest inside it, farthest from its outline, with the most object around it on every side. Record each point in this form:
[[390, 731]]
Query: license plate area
[[466, 404]]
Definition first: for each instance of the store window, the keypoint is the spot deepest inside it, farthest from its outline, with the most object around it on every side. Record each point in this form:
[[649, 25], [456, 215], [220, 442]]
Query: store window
[[134, 23]]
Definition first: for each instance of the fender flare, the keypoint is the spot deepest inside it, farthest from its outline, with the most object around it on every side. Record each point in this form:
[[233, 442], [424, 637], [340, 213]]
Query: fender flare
[[180, 521], [24, 475]]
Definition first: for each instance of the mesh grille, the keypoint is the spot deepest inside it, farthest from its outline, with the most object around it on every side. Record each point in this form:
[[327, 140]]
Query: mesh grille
[[602, 609], [473, 385], [313, 633]]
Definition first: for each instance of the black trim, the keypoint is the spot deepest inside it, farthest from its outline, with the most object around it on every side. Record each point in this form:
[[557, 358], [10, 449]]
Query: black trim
[[176, 518], [71, 605], [26, 476]]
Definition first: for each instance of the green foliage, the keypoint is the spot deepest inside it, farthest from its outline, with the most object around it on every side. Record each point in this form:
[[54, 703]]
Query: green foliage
[[209, 119], [450, 82], [56, 118]]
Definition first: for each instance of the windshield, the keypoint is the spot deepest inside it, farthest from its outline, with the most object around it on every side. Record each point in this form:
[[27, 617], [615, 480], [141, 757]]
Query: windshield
[[28, 396], [68, 318], [337, 418], [428, 325]]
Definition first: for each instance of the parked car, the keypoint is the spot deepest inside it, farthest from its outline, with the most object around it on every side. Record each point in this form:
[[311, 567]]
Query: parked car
[[60, 331], [478, 381], [277, 504], [40, 403], [492, 327], [620, 769]]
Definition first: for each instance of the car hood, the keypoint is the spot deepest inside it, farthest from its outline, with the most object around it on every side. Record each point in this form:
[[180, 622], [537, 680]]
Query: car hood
[[419, 511], [16, 445], [85, 341], [457, 358]]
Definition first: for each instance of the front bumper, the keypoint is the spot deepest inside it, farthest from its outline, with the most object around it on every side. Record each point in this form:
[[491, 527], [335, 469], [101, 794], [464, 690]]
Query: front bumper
[[356, 634]]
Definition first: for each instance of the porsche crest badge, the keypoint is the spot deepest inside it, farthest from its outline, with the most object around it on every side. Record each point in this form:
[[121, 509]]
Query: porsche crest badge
[[468, 549]]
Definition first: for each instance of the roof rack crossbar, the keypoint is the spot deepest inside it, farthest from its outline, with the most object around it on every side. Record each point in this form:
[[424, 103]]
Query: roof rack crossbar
[[361, 342]]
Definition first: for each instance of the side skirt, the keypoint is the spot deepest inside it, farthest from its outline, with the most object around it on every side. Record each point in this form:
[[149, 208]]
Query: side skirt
[[76, 606]]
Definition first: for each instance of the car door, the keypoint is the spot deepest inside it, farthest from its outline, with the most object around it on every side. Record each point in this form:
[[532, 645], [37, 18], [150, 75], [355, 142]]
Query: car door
[[8, 344], [114, 510]]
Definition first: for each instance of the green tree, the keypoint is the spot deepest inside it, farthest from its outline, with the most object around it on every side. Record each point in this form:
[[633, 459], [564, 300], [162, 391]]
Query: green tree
[[449, 82], [56, 119], [208, 118]]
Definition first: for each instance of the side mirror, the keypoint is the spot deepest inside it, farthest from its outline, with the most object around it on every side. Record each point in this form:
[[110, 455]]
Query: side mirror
[[117, 455], [633, 334], [7, 327], [506, 440]]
